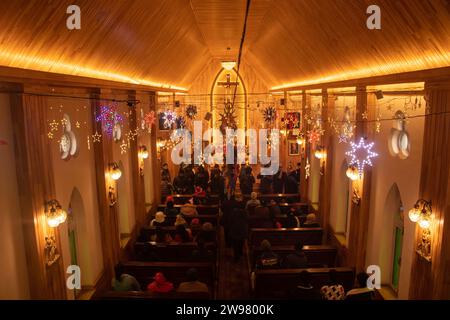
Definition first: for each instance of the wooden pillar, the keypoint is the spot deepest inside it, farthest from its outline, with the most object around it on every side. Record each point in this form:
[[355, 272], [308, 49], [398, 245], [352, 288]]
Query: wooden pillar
[[136, 177], [36, 187], [108, 215], [328, 103], [306, 100], [156, 164], [359, 216], [431, 280]]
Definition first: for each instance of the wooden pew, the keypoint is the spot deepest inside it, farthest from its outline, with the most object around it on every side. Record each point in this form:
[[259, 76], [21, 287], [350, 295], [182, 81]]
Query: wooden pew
[[201, 208], [322, 255], [175, 272], [303, 207], [203, 218], [278, 197], [147, 232], [184, 198], [177, 252], [279, 237], [146, 295], [278, 283]]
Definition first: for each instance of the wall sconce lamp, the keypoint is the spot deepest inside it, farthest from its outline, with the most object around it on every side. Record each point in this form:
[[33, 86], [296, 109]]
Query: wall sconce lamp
[[320, 153], [114, 171], [142, 154], [352, 173], [54, 213], [301, 139], [421, 213]]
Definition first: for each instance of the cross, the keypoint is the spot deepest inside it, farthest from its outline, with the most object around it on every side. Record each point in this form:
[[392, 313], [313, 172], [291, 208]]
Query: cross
[[228, 83]]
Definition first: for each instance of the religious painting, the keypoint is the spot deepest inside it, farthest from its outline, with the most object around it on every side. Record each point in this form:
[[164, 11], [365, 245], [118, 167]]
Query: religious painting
[[294, 148], [292, 120]]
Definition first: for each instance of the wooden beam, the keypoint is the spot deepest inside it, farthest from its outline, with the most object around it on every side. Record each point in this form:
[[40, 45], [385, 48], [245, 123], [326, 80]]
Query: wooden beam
[[16, 75], [414, 76], [431, 280], [36, 187]]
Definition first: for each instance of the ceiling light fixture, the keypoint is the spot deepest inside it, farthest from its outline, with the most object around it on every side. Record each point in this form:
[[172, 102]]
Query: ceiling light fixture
[[228, 65]]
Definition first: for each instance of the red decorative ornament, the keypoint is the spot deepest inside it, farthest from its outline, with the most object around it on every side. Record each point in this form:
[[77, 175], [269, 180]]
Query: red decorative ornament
[[314, 136], [149, 120]]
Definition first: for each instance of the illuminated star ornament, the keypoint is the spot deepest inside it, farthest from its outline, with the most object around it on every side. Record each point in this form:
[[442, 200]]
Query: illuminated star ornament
[[270, 114], [191, 111], [169, 117], [149, 120], [361, 155], [96, 137], [314, 135], [109, 117]]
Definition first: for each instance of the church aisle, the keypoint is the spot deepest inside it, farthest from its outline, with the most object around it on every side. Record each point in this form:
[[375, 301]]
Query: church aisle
[[234, 280]]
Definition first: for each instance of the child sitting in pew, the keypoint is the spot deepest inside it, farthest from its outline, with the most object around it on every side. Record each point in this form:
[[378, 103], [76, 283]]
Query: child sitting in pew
[[192, 284], [160, 284]]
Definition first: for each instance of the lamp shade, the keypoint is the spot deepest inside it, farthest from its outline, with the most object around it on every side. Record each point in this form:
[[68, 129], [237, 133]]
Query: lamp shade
[[414, 214], [425, 221], [352, 173]]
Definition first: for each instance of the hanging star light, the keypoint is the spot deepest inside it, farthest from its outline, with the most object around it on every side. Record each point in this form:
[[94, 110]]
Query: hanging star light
[[307, 169], [314, 135], [54, 125], [169, 118], [270, 114], [361, 155], [96, 137], [109, 118], [123, 147], [149, 120], [191, 111]]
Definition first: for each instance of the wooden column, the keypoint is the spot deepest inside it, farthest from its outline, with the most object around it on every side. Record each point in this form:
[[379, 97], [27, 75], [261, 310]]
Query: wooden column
[[359, 216], [306, 100], [36, 187], [156, 165], [431, 280], [137, 179], [326, 179], [108, 215]]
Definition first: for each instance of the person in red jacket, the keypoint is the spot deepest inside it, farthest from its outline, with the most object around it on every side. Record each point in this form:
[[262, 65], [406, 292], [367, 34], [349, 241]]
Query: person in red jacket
[[160, 284]]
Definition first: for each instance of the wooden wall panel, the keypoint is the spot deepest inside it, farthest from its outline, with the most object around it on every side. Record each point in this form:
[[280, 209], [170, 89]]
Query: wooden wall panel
[[325, 181], [36, 186], [108, 216], [430, 280], [359, 216]]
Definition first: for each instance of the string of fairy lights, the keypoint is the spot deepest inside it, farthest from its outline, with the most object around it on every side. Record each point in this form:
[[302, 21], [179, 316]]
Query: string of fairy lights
[[287, 116]]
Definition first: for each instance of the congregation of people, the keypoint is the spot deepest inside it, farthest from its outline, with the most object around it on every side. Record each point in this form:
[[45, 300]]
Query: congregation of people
[[240, 212], [222, 181]]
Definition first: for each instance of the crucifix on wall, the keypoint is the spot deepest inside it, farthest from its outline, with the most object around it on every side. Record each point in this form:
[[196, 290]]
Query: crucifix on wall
[[228, 84]]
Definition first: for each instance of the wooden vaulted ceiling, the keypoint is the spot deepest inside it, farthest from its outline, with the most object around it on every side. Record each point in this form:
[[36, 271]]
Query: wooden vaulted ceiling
[[170, 42]]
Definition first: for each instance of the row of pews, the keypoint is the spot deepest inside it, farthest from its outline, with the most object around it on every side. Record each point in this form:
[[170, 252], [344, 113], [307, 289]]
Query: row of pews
[[175, 259], [279, 283]]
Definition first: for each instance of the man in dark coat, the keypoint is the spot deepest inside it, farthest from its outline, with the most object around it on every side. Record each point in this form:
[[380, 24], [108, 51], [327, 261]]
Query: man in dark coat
[[279, 180], [238, 232]]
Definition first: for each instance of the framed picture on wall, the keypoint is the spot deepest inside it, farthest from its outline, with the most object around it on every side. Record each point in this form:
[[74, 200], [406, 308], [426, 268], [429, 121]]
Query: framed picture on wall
[[294, 148], [292, 120]]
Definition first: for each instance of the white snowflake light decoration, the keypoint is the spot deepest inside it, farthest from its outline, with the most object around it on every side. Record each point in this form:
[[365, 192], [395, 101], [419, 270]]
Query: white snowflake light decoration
[[361, 155], [169, 118]]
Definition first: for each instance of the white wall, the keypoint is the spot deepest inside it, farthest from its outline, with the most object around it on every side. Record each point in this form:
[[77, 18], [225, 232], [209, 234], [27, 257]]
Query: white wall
[[78, 172], [13, 271], [406, 174]]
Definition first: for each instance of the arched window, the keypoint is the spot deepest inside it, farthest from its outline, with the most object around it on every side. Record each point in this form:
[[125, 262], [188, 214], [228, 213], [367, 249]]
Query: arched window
[[392, 238], [222, 92]]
